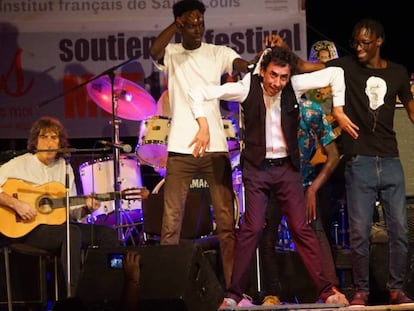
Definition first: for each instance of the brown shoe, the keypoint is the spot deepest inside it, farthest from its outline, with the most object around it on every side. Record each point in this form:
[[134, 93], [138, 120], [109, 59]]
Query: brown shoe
[[398, 297], [271, 301], [360, 299]]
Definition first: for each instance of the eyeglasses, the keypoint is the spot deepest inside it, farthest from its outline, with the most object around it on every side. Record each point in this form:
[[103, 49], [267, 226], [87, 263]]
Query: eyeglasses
[[354, 43]]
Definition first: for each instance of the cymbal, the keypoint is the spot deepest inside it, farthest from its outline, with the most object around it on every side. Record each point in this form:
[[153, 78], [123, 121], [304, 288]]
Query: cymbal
[[132, 102]]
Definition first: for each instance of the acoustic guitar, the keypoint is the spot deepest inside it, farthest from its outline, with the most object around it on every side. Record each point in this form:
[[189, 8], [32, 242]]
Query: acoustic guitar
[[50, 201], [319, 156]]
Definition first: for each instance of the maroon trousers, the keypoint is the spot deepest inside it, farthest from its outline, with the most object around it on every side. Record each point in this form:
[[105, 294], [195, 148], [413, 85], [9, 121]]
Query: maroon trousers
[[286, 184]]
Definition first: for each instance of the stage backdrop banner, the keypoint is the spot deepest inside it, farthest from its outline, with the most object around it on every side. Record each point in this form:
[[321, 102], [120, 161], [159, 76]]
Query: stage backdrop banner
[[50, 49]]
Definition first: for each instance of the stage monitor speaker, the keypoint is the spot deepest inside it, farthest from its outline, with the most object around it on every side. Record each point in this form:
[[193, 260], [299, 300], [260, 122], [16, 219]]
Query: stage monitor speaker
[[410, 219], [296, 285], [404, 130], [197, 221], [173, 277]]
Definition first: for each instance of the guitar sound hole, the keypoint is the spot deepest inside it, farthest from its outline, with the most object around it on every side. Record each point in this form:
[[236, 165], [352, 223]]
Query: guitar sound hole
[[45, 206]]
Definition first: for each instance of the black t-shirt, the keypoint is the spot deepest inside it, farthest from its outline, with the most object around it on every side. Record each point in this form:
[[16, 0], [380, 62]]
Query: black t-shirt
[[370, 100]]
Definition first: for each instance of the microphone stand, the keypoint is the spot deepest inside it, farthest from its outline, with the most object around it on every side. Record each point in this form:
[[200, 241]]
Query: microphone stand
[[66, 154]]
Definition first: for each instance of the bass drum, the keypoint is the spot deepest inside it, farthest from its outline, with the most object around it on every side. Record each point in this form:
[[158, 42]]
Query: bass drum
[[98, 177]]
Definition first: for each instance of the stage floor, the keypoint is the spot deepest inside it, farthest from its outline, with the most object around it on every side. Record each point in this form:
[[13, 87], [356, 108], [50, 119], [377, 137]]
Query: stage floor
[[323, 307]]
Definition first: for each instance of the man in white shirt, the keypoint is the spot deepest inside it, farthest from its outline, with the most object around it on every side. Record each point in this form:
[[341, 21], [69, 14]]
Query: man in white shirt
[[270, 161], [37, 169], [197, 142]]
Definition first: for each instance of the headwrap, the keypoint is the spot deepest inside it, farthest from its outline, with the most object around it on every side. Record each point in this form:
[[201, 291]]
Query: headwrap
[[322, 45]]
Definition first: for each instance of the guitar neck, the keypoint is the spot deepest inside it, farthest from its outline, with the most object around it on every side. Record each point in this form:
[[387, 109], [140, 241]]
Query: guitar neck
[[81, 199]]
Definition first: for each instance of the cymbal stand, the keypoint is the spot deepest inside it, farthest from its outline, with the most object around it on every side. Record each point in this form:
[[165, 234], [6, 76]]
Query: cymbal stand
[[115, 139], [122, 236]]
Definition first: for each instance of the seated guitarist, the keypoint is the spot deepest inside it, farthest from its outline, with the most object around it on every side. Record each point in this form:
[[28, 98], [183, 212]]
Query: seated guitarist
[[37, 168]]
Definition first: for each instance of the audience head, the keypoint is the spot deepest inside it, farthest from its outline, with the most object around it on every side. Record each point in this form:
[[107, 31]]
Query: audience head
[[322, 51]]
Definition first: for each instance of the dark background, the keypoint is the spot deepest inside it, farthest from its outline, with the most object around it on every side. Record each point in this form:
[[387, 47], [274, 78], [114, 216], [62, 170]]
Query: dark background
[[334, 20]]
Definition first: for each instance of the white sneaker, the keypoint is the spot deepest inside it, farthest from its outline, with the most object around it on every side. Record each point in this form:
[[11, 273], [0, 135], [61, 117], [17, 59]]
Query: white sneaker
[[246, 301], [228, 304], [337, 297]]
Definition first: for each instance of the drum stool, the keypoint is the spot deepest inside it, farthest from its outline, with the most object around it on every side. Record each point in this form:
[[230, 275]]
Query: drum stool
[[43, 255]]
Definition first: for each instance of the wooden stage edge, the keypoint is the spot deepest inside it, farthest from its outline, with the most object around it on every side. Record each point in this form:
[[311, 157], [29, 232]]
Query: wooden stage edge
[[322, 307]]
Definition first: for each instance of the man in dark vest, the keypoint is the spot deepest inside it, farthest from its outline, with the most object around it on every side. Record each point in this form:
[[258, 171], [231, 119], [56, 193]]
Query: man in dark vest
[[270, 161]]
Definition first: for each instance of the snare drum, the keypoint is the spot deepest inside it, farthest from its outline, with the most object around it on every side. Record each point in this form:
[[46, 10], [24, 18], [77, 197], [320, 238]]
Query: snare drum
[[153, 139], [98, 177]]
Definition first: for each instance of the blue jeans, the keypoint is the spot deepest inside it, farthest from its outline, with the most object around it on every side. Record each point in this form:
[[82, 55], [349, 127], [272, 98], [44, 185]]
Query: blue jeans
[[369, 179]]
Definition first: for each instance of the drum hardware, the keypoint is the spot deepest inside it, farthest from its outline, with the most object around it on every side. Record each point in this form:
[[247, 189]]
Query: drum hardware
[[121, 98], [238, 188], [340, 226], [285, 242]]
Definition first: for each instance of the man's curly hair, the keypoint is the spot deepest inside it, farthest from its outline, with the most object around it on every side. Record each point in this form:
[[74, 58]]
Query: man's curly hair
[[49, 124], [281, 57]]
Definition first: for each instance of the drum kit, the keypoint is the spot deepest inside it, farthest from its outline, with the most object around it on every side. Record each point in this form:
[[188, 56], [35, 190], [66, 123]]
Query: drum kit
[[125, 99]]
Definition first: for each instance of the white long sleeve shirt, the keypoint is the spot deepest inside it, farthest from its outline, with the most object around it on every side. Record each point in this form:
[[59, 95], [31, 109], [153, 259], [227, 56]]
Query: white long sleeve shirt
[[301, 83]]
